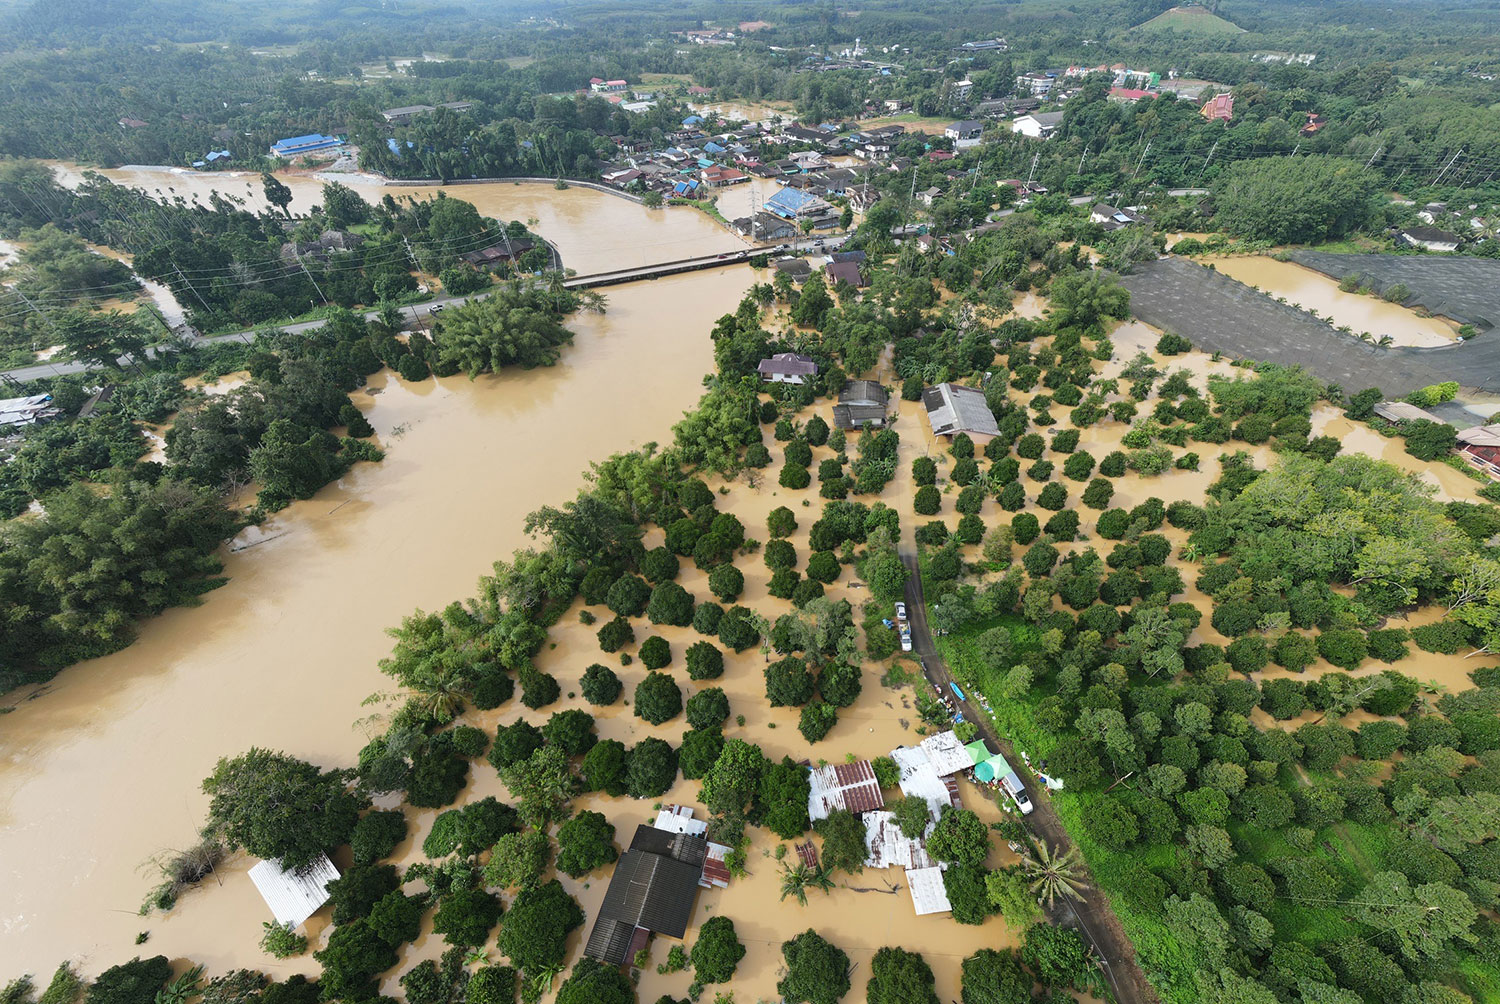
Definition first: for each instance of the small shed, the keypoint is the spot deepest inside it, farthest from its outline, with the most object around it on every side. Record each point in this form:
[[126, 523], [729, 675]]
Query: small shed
[[293, 896], [862, 404], [1404, 411], [928, 894], [947, 754], [848, 786]]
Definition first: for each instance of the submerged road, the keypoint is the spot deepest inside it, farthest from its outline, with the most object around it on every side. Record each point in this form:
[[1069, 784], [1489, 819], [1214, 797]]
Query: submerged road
[[1092, 914]]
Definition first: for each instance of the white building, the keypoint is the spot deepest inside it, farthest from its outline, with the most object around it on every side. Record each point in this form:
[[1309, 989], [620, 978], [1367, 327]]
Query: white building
[[1034, 83], [1039, 125], [965, 134]]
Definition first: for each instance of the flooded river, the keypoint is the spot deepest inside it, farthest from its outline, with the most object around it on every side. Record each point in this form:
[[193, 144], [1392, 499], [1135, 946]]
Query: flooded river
[[594, 231], [102, 772], [1315, 291]]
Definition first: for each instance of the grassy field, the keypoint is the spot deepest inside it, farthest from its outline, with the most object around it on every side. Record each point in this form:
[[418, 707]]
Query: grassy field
[[666, 78], [1190, 21]]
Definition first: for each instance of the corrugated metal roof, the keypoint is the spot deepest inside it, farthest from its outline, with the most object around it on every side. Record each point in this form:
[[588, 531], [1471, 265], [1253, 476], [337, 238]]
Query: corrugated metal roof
[[952, 409], [653, 886], [928, 894], [947, 754], [294, 896], [919, 778], [1483, 435], [848, 786], [1403, 411], [887, 847]]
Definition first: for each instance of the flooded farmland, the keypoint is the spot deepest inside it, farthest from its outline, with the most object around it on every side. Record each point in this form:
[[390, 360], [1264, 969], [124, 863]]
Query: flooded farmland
[[1315, 291]]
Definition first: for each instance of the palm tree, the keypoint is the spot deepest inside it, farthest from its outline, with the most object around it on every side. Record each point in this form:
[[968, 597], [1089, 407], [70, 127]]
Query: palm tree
[[794, 881], [557, 288], [1054, 874], [440, 695]]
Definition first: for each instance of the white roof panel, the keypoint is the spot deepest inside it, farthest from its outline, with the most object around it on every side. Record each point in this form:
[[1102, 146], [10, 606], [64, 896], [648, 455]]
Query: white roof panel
[[928, 894], [947, 754], [294, 896]]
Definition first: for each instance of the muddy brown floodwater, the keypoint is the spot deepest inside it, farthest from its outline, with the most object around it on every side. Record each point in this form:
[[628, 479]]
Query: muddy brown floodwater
[[1316, 291], [594, 231], [102, 772]]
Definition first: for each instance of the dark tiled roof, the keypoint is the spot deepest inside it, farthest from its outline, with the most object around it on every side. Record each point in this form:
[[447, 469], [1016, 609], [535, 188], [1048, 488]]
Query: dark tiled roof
[[653, 887], [864, 392], [844, 271], [788, 363], [851, 416]]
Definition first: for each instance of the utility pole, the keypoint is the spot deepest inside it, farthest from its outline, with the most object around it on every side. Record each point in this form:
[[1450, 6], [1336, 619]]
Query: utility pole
[[1030, 177], [1211, 151], [1081, 156], [1142, 159], [50, 326], [1450, 163], [1294, 149], [310, 278], [1378, 151], [189, 285]]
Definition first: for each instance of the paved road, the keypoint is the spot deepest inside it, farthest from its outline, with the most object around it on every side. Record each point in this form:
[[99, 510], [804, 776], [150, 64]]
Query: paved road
[[1092, 915]]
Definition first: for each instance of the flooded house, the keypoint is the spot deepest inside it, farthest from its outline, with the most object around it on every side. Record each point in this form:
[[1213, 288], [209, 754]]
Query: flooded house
[[862, 405], [952, 408], [652, 891], [1480, 446], [787, 367]]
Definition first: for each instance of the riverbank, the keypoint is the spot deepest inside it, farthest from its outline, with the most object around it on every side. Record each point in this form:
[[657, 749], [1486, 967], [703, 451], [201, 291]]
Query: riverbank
[[291, 643]]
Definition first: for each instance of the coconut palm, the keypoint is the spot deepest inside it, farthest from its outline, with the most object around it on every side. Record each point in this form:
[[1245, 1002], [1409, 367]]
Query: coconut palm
[[794, 881], [1054, 874], [439, 694]]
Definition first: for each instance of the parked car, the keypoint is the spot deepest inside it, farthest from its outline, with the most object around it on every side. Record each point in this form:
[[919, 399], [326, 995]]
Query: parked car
[[906, 637], [900, 611]]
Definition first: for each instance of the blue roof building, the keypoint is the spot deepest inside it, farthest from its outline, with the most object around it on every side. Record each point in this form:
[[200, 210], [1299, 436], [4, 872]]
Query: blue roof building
[[688, 187], [214, 155], [794, 203], [712, 147], [310, 143], [693, 120]]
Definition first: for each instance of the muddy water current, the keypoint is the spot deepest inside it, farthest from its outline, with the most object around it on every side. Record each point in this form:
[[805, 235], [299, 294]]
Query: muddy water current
[[594, 231], [102, 772]]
